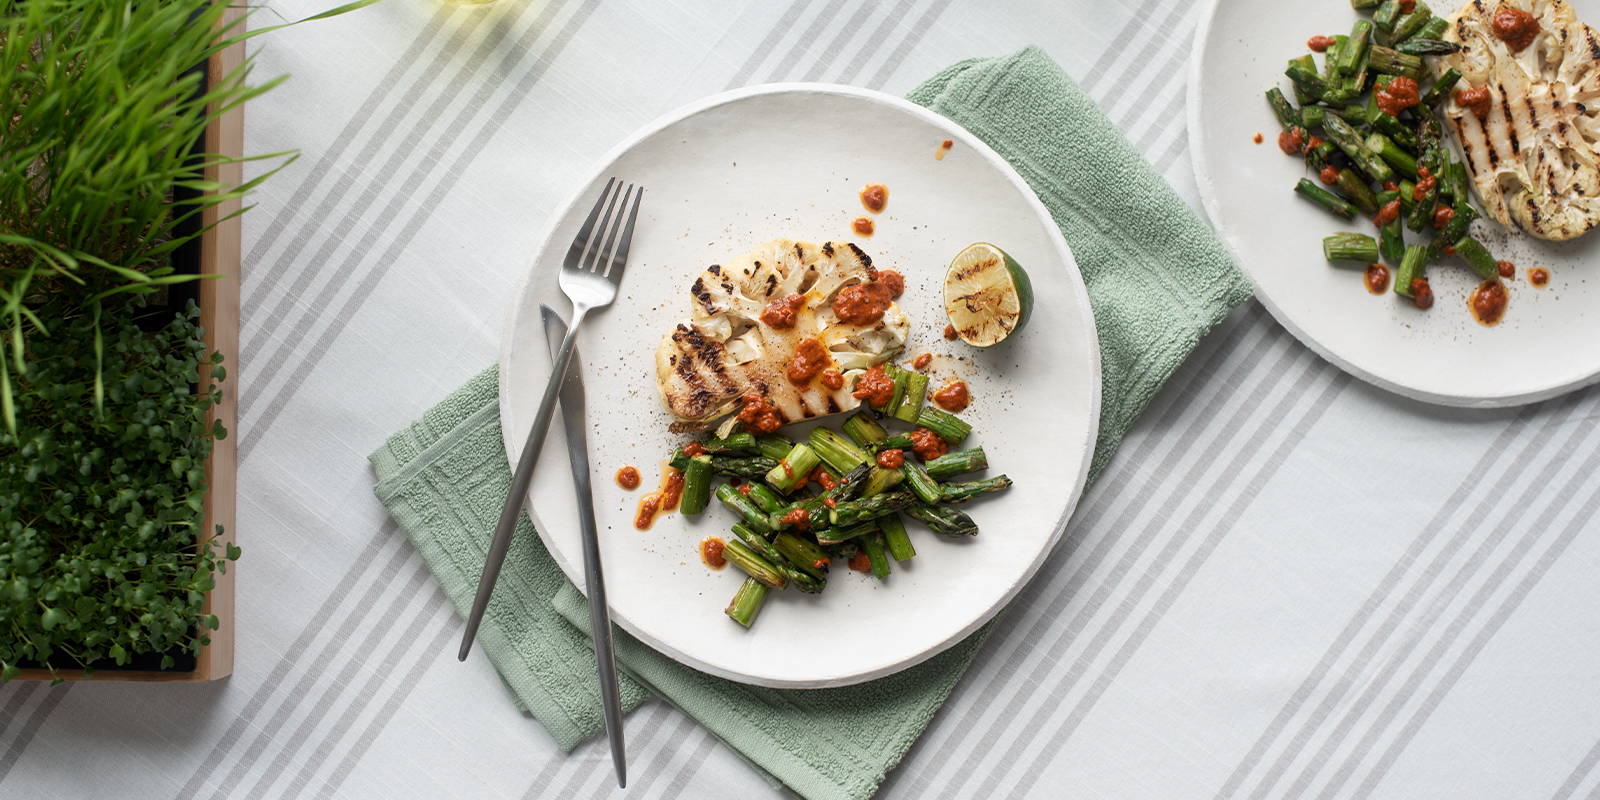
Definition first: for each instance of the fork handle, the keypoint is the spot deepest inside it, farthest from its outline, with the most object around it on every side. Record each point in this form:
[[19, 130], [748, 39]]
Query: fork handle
[[520, 479]]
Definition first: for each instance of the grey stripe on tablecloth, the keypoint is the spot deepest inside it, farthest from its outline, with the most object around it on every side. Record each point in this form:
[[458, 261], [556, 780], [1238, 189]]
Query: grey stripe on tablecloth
[[768, 43], [680, 780], [1496, 619], [19, 696], [800, 45], [897, 56], [1490, 505], [1581, 772], [23, 734], [1333, 382], [1494, 518], [886, 23], [364, 650], [1387, 586], [300, 655], [403, 206], [404, 121], [425, 654], [846, 31], [330, 161], [1440, 525]]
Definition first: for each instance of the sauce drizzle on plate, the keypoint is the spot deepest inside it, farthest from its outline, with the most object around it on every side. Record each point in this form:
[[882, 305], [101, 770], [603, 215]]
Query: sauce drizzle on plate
[[874, 196], [1488, 303], [711, 549], [660, 501]]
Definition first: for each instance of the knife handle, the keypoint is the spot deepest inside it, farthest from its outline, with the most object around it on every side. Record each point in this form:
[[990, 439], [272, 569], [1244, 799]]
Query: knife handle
[[595, 587]]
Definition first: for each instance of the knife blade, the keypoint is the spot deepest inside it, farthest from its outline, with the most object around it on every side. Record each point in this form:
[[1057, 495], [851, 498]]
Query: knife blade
[[574, 423]]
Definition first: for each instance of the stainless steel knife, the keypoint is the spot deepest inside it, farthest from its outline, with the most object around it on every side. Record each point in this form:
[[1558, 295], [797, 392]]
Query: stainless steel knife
[[574, 422]]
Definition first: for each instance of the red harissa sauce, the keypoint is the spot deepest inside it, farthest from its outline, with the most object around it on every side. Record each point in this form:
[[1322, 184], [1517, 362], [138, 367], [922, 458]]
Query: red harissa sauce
[[927, 444], [1399, 95], [1421, 293], [1319, 43], [711, 552], [874, 197], [874, 387], [660, 501], [1507, 269], [648, 506], [759, 415], [944, 147], [1515, 27], [1377, 278], [628, 477], [1292, 141], [922, 361], [1474, 100], [862, 226], [1389, 213], [1539, 277], [891, 459], [954, 397], [950, 333], [1488, 302], [809, 359], [864, 303], [1425, 183], [781, 313], [861, 562], [799, 519]]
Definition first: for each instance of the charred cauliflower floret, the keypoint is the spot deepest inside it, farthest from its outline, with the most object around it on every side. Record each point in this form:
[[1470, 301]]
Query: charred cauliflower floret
[[751, 316], [1532, 144]]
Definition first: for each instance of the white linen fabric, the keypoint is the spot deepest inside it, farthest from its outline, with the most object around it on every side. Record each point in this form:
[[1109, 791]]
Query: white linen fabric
[[1287, 584]]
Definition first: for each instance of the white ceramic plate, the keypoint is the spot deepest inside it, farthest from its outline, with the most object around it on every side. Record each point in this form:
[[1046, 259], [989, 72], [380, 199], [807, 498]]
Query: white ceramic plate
[[1541, 349], [723, 175]]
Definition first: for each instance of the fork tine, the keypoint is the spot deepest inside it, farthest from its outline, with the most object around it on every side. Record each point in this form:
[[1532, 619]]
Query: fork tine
[[581, 241], [619, 259], [603, 253], [597, 244]]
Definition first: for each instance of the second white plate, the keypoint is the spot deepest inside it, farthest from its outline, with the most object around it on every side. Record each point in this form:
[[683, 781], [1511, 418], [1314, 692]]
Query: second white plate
[[1541, 349]]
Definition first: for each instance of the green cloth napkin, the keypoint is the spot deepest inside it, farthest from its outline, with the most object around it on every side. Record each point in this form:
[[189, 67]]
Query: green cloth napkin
[[1158, 280]]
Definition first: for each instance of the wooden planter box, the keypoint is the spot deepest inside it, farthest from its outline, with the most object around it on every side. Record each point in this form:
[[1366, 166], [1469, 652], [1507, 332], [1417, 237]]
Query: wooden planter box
[[219, 253]]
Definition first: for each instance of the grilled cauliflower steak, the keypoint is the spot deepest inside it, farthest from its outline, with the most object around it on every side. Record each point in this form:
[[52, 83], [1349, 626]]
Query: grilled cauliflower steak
[[726, 350], [1535, 156]]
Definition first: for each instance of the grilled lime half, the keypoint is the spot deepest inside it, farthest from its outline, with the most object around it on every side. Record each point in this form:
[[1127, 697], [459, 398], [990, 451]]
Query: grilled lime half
[[986, 295]]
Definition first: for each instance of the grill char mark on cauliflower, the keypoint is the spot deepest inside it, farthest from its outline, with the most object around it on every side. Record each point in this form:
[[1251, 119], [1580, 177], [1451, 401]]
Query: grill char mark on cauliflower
[[724, 351], [1535, 158]]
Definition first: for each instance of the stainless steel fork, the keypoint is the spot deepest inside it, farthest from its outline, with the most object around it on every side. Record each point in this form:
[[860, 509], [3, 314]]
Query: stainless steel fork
[[590, 275]]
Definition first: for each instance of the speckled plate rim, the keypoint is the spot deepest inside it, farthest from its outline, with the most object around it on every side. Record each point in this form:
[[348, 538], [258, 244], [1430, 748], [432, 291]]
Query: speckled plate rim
[[520, 304], [1206, 184]]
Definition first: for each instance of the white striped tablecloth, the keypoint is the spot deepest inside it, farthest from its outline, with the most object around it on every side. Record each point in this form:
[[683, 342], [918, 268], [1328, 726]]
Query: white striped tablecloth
[[1288, 584]]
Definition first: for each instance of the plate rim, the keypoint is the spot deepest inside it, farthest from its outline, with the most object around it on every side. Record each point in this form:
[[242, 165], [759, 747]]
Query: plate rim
[[1205, 183], [521, 300]]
